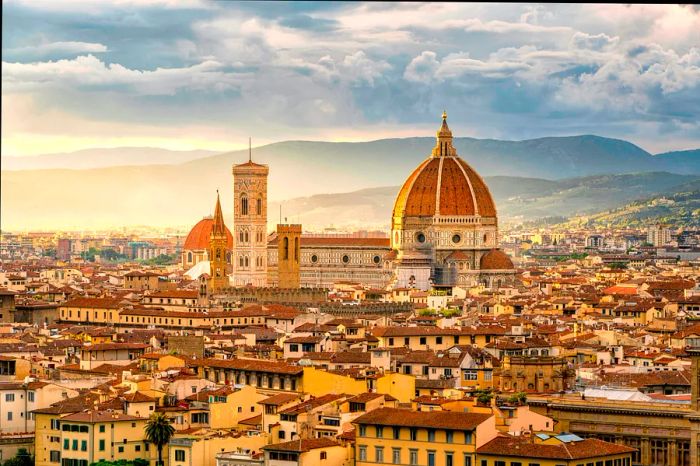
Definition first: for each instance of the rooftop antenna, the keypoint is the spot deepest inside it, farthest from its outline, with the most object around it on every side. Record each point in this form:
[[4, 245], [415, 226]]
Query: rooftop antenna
[[250, 150]]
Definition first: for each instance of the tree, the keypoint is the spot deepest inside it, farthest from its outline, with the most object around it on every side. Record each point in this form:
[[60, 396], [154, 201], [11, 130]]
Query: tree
[[22, 458], [159, 431], [484, 396], [518, 398]]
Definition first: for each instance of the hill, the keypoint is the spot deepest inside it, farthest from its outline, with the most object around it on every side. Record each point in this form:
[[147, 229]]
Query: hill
[[100, 158], [681, 208], [517, 198], [180, 194]]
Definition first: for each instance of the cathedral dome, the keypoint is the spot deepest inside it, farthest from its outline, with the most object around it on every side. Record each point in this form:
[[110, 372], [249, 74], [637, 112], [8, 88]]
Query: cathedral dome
[[496, 259], [444, 184], [198, 238]]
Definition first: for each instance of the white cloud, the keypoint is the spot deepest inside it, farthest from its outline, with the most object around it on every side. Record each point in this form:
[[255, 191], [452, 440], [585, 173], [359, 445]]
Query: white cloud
[[87, 70], [601, 41], [422, 68], [60, 47]]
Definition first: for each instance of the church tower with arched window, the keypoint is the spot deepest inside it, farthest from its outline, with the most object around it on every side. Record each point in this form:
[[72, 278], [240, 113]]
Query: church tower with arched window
[[217, 250], [250, 223]]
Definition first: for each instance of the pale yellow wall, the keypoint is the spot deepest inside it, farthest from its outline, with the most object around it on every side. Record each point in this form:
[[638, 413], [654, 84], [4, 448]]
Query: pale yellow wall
[[317, 382], [228, 415], [440, 446], [400, 386]]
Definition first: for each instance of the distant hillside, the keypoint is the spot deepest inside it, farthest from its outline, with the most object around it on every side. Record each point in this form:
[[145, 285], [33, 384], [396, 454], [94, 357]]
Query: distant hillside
[[682, 208], [101, 158], [180, 194], [517, 199]]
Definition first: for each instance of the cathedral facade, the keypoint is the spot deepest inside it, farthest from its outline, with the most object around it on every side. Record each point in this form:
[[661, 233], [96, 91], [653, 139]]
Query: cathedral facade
[[444, 233]]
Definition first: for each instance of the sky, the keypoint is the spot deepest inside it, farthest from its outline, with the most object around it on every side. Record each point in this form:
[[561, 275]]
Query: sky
[[202, 75]]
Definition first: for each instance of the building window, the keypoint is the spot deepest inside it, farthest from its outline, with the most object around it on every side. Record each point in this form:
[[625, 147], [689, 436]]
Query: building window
[[376, 259], [83, 445], [285, 248], [9, 397], [414, 434], [659, 452], [420, 237], [75, 444], [449, 436], [9, 415], [470, 374], [431, 458], [378, 454], [30, 397], [422, 341], [413, 457], [244, 205], [102, 445], [121, 449], [431, 435], [396, 455], [449, 458], [314, 258], [456, 239], [380, 431], [324, 455], [467, 459], [66, 444], [346, 259], [397, 432], [259, 206], [363, 431], [55, 456], [362, 449], [467, 437], [179, 455]]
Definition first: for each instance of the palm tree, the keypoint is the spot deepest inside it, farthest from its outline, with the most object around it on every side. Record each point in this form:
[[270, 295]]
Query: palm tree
[[159, 431]]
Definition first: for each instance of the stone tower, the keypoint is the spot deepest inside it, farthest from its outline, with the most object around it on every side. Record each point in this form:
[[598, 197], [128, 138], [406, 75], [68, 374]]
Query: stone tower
[[693, 350], [250, 223], [217, 250], [288, 256]]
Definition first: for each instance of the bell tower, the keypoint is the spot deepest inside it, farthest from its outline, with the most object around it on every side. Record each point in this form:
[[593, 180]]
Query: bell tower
[[217, 250], [250, 223], [288, 255]]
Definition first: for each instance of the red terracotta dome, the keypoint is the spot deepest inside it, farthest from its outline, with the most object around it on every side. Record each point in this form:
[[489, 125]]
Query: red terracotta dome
[[444, 184], [198, 238], [496, 259]]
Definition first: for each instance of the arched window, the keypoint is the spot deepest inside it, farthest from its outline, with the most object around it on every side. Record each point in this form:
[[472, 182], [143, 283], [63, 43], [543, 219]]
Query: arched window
[[240, 236], [246, 237], [218, 254], [240, 261], [246, 261], [285, 248], [189, 257], [244, 205], [296, 249], [259, 206]]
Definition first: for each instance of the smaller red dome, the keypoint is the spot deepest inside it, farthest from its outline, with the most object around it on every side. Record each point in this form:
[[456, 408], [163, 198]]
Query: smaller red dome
[[496, 259], [198, 238]]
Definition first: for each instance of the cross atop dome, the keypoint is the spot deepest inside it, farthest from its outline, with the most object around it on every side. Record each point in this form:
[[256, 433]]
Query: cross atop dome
[[443, 145]]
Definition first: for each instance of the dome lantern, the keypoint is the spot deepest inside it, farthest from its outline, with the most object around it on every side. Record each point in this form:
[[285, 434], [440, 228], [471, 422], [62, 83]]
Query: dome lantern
[[443, 145]]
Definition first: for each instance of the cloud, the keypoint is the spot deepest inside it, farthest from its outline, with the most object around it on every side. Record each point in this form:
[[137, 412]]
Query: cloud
[[601, 41], [294, 69], [67, 47], [422, 68], [90, 72]]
